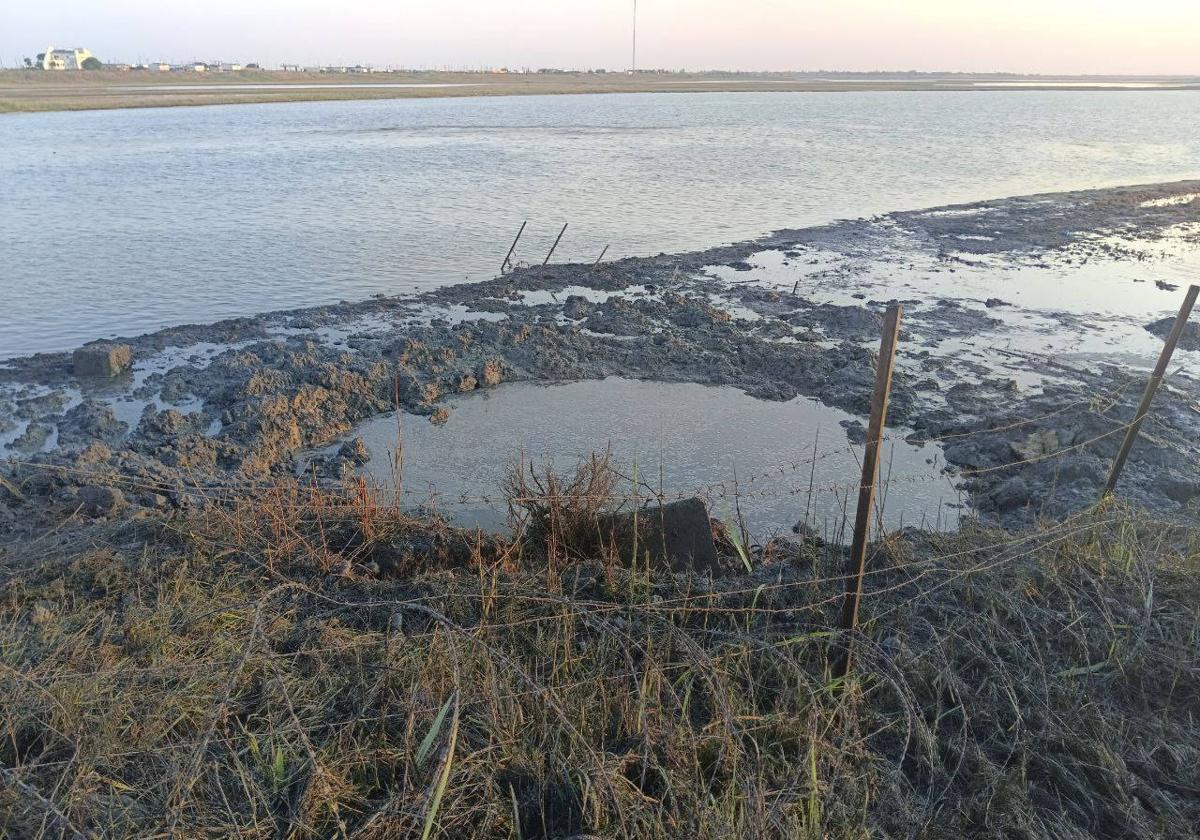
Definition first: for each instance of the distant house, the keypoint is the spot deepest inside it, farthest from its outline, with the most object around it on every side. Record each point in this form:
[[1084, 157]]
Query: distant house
[[53, 59], [199, 67], [162, 67]]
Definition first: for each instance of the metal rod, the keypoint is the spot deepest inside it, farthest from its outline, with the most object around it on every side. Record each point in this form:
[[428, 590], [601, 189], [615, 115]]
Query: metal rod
[[633, 68], [1160, 369], [602, 253], [848, 621], [513, 247], [555, 245]]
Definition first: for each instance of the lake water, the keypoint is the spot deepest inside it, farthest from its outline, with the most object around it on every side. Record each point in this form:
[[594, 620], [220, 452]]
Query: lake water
[[119, 222]]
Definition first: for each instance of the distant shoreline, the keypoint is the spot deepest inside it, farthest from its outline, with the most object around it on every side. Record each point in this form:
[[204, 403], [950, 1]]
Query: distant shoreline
[[24, 91]]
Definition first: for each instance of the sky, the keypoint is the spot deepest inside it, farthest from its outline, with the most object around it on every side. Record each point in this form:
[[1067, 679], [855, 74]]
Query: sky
[[1033, 36]]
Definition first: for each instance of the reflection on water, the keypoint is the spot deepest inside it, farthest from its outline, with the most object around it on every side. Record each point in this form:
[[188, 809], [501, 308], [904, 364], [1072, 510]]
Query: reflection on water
[[124, 221], [682, 437]]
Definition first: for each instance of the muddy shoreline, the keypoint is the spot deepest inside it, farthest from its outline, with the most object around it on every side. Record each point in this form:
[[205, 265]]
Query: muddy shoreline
[[1029, 430], [30, 91]]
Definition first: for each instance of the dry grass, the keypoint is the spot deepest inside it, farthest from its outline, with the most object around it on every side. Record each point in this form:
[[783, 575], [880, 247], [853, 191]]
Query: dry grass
[[305, 665]]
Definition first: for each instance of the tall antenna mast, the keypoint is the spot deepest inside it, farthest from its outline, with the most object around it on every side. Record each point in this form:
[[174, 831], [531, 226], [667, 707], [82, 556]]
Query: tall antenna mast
[[633, 67]]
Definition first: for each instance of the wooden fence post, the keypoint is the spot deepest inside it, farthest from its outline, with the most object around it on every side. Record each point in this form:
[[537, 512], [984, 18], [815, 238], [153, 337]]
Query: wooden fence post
[[504, 265], [848, 621], [1160, 369], [555, 245]]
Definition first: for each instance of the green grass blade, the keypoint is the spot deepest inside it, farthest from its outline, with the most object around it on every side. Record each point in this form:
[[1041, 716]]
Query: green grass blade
[[431, 736], [439, 790]]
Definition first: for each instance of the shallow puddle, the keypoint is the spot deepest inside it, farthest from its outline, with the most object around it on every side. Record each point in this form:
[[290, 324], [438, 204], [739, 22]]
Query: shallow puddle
[[683, 438]]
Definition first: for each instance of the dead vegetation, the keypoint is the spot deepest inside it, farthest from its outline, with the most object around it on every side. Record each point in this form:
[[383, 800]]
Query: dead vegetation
[[305, 664]]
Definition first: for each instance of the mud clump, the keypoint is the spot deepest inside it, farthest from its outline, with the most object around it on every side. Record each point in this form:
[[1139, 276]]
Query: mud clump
[[101, 501], [1189, 339], [33, 438], [355, 451], [91, 421], [840, 321], [492, 373]]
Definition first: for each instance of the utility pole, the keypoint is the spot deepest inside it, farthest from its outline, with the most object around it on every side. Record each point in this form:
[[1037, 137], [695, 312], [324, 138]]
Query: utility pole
[[633, 66]]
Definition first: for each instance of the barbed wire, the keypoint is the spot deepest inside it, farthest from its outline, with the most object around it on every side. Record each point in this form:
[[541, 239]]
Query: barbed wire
[[591, 680], [720, 486], [718, 489], [681, 604]]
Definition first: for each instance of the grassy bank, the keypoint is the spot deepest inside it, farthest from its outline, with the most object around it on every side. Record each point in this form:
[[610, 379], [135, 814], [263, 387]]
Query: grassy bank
[[23, 91], [303, 664]]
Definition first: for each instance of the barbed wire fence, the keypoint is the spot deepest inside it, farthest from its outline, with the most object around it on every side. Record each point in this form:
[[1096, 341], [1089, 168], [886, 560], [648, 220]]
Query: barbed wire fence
[[763, 485], [916, 579]]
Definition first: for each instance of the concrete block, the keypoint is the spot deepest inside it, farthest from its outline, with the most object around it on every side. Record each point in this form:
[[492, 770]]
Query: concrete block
[[103, 359], [678, 536]]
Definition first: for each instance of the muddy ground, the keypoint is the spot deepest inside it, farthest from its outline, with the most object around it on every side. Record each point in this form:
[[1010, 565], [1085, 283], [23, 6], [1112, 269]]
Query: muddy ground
[[1030, 433]]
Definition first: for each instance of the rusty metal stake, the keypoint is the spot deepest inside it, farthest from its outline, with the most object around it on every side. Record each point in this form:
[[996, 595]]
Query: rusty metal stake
[[602, 253], [848, 621], [1160, 369], [555, 245], [504, 265]]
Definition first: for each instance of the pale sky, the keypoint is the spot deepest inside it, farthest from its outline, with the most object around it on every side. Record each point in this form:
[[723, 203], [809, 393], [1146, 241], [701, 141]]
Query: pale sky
[[1036, 36]]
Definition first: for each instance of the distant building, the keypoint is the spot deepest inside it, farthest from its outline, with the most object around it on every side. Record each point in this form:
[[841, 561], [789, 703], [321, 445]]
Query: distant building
[[53, 59], [162, 67], [199, 67]]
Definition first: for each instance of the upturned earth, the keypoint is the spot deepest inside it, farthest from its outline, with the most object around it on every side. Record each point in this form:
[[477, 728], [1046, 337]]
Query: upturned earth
[[1029, 402]]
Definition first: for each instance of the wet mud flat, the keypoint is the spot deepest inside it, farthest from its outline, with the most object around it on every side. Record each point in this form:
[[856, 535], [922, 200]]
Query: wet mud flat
[[1023, 352]]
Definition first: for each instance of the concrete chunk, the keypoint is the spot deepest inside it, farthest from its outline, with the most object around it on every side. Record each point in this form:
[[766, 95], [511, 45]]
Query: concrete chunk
[[103, 359], [677, 536]]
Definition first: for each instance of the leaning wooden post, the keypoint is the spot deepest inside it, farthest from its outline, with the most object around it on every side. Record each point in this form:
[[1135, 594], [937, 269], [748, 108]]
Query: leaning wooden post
[[599, 258], [848, 622], [504, 265], [555, 245], [1160, 369]]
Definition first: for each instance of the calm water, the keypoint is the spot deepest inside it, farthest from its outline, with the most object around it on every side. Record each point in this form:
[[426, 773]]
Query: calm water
[[125, 221], [677, 435]]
